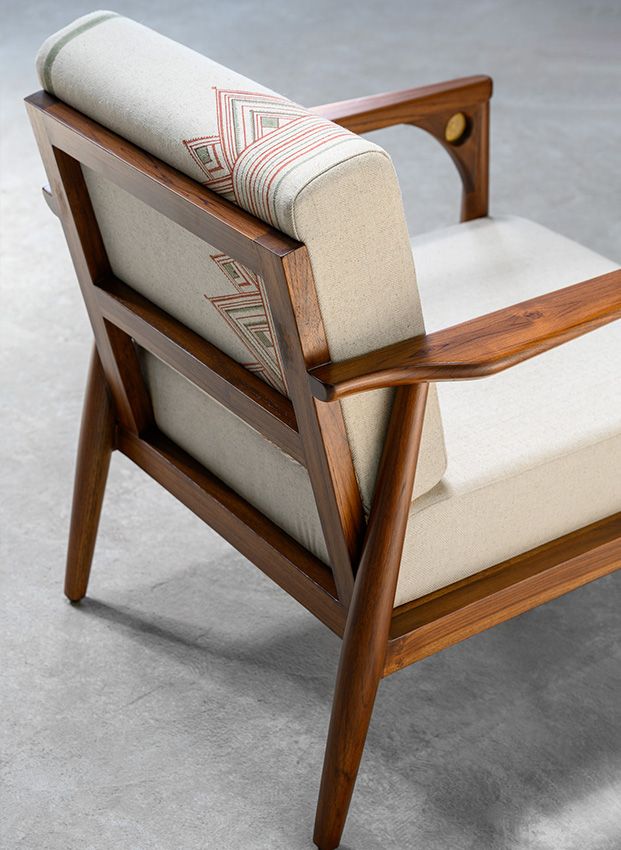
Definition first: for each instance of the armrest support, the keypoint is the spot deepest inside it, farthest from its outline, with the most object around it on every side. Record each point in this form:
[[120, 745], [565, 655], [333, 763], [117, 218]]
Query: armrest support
[[455, 113], [479, 347]]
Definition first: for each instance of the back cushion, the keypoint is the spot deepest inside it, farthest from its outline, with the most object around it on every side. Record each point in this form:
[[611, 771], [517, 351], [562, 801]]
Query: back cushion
[[311, 179]]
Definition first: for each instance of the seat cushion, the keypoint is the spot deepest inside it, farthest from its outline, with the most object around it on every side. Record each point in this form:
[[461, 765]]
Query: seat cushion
[[534, 452]]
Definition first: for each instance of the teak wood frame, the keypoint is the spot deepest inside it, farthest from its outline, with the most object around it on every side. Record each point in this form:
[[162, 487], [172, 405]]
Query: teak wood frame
[[354, 594]]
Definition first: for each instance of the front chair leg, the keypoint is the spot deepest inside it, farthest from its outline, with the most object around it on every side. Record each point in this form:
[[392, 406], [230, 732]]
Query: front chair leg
[[366, 635], [97, 436], [358, 677]]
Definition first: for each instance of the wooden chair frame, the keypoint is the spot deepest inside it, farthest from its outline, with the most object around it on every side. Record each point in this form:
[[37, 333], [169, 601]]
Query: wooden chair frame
[[354, 594]]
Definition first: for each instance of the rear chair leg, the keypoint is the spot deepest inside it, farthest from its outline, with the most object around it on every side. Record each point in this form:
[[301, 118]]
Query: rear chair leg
[[97, 436]]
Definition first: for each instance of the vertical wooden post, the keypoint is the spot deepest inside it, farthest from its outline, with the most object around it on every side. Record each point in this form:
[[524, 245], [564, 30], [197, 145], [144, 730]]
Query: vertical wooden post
[[365, 640], [475, 192], [302, 344], [470, 154]]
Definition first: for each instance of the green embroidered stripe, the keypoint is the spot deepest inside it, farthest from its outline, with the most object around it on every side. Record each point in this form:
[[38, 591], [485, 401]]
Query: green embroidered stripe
[[67, 37]]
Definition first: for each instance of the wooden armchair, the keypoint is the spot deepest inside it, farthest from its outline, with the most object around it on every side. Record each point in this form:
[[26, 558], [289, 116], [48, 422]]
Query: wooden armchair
[[251, 331]]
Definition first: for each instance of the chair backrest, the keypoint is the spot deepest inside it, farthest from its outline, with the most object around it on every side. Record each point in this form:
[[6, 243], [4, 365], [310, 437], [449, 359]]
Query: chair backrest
[[316, 182]]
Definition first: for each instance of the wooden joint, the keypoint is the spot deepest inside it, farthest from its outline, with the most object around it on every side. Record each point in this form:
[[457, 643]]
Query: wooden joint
[[479, 347], [455, 113]]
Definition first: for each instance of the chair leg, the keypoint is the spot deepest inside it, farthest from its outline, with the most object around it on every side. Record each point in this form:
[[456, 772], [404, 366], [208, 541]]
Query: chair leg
[[95, 447], [369, 618], [357, 681]]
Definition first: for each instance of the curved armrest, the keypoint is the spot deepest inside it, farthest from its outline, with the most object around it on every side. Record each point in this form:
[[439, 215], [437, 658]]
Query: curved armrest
[[363, 114], [455, 113], [479, 347]]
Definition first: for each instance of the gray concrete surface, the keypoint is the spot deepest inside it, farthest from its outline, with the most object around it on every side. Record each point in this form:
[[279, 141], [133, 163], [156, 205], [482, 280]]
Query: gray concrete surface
[[184, 704]]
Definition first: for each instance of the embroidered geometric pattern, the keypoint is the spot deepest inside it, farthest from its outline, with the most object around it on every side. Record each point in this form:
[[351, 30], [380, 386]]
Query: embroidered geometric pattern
[[245, 311], [260, 139], [242, 118], [261, 168]]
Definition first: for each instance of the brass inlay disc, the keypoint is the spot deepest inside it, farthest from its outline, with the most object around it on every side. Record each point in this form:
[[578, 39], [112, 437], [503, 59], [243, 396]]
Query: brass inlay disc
[[455, 127]]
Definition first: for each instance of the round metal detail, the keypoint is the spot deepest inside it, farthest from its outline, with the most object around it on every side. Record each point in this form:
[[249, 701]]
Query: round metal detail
[[455, 127]]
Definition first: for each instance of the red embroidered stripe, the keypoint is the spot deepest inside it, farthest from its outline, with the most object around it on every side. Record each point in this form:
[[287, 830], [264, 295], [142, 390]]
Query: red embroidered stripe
[[259, 170]]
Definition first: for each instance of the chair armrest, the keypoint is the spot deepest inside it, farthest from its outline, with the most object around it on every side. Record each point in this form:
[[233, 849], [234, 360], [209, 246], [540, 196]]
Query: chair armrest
[[363, 114], [479, 347], [455, 113]]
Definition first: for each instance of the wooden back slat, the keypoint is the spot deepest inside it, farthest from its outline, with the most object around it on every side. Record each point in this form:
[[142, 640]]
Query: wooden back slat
[[312, 433]]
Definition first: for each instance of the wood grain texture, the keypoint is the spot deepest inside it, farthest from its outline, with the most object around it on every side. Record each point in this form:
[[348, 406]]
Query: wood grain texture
[[470, 155], [364, 114], [302, 343], [284, 560], [239, 390], [482, 346], [73, 139], [117, 413], [430, 108], [468, 607], [97, 441], [116, 350], [361, 663], [185, 201]]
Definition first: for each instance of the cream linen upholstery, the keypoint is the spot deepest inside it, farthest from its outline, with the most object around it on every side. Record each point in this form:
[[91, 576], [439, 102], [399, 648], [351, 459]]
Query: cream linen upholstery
[[318, 183], [534, 452]]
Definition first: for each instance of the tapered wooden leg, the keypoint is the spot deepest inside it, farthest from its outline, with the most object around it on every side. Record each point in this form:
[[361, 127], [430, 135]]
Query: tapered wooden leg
[[356, 686], [365, 640], [94, 450]]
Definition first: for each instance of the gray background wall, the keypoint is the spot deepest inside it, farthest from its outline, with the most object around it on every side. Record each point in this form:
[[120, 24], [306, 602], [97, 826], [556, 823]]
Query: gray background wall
[[185, 703]]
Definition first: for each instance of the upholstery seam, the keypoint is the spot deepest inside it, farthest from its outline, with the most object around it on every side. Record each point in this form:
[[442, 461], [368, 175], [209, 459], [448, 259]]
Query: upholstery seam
[[64, 40]]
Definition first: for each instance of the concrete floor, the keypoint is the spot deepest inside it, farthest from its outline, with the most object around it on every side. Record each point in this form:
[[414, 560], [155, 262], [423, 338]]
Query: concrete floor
[[185, 703]]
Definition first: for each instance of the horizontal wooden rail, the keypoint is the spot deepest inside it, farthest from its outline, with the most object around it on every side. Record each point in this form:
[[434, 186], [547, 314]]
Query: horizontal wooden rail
[[482, 346], [364, 114], [280, 557], [204, 213], [236, 388], [454, 613]]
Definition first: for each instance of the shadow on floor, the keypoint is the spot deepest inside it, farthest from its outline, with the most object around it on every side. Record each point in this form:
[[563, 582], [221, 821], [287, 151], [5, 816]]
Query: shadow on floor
[[501, 735]]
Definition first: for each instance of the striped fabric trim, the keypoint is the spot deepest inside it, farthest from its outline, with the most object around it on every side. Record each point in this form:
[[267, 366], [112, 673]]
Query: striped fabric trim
[[259, 171], [64, 40], [261, 140]]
